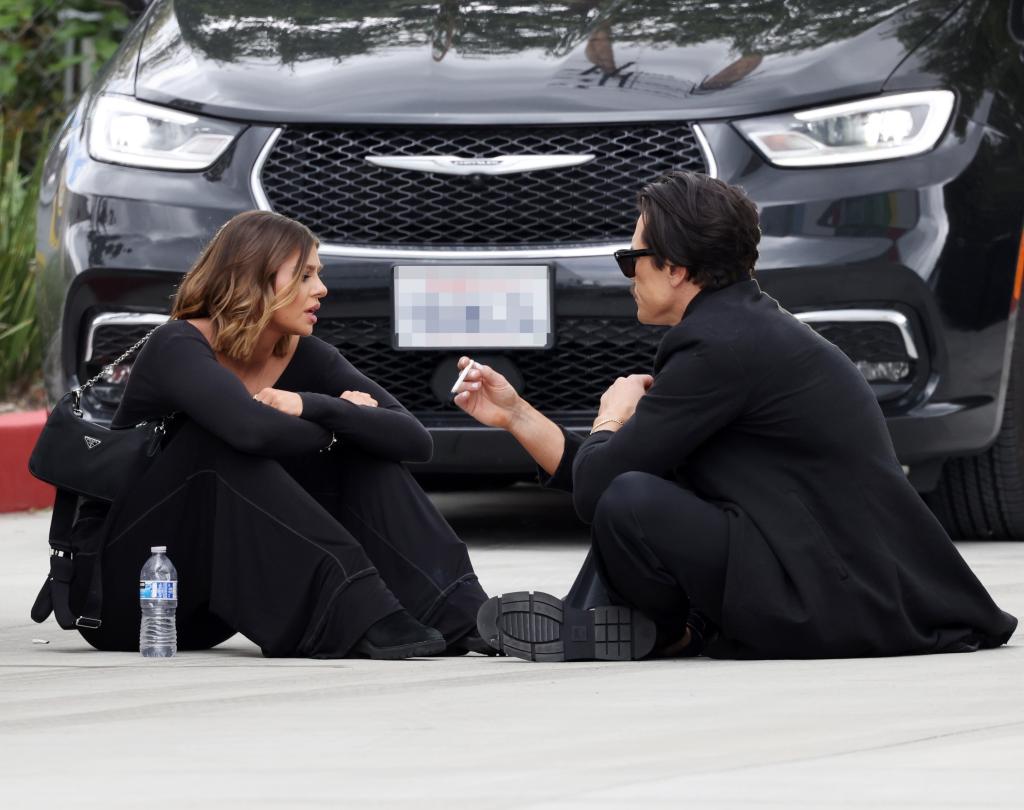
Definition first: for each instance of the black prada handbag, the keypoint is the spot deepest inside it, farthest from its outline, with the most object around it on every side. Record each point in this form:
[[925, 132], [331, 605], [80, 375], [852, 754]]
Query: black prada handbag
[[84, 459]]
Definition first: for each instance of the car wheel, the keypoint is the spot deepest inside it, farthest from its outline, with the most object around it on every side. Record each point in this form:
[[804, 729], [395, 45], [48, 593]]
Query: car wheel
[[983, 496]]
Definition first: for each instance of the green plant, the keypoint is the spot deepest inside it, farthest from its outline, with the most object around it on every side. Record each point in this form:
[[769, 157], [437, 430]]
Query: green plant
[[19, 337], [48, 50]]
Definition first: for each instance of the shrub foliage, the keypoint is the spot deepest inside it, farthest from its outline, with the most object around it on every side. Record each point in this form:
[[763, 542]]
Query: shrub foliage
[[48, 52], [19, 339]]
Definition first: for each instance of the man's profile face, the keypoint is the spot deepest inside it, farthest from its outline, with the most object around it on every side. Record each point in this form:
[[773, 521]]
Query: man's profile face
[[661, 295], [651, 290]]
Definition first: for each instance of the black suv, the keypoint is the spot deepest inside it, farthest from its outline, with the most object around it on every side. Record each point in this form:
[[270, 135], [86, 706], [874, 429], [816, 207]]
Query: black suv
[[468, 166]]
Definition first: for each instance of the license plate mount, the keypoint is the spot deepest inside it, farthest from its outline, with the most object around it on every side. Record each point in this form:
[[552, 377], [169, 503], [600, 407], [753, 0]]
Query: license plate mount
[[472, 307]]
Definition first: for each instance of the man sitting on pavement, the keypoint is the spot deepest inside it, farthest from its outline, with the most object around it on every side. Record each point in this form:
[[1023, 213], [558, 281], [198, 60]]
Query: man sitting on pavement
[[745, 501]]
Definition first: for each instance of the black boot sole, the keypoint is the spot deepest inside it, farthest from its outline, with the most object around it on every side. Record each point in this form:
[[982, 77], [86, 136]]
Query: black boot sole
[[417, 649], [539, 627]]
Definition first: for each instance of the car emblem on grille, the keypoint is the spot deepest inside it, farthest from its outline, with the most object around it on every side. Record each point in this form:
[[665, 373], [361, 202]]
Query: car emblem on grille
[[452, 164], [90, 442]]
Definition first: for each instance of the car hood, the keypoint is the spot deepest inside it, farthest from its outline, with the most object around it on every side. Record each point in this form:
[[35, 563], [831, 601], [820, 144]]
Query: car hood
[[407, 62]]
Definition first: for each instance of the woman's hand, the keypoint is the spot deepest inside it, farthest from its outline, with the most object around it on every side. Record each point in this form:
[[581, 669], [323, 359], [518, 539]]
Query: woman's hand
[[620, 400], [359, 398], [488, 397], [285, 401]]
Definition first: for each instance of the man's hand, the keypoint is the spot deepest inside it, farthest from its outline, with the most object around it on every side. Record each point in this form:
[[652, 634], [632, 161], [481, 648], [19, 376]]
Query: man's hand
[[285, 401], [359, 398], [488, 397], [620, 400]]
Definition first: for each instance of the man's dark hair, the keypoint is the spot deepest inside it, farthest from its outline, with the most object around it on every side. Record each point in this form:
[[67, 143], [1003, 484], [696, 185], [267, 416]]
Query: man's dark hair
[[698, 222]]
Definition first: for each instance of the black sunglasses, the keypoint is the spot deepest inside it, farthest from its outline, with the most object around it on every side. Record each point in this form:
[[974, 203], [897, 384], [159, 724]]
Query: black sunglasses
[[626, 260]]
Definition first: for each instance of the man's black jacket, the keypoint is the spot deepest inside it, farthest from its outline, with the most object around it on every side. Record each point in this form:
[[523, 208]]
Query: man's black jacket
[[831, 551]]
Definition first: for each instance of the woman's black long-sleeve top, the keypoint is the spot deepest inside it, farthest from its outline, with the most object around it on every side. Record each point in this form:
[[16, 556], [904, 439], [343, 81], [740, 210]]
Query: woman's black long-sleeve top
[[177, 371]]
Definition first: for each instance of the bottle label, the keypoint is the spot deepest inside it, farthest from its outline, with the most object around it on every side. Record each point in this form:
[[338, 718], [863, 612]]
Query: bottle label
[[158, 589]]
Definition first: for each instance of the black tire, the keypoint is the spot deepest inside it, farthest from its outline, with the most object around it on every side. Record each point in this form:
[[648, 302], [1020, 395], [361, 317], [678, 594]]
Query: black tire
[[982, 497]]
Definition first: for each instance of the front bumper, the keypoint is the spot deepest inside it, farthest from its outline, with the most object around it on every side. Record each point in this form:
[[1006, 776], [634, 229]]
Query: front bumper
[[897, 237]]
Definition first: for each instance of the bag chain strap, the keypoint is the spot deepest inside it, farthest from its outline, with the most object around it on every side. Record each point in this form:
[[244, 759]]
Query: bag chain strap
[[107, 369]]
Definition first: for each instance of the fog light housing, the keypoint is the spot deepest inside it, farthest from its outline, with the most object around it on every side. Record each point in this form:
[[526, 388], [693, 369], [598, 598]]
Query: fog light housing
[[879, 342], [888, 371], [108, 336], [109, 388]]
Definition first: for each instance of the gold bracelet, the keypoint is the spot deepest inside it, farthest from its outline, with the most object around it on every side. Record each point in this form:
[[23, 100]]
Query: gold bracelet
[[605, 422]]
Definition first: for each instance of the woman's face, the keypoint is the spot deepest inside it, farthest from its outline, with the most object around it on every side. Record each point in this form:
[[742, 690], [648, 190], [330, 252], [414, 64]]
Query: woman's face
[[299, 317]]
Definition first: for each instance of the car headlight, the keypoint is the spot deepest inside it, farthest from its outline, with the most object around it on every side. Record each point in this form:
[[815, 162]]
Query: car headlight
[[133, 133], [872, 129]]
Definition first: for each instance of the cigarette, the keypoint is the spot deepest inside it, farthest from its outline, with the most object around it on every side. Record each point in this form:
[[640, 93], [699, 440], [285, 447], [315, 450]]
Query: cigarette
[[462, 377]]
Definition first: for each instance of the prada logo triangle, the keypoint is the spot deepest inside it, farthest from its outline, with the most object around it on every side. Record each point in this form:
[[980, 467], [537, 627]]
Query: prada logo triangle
[[90, 442]]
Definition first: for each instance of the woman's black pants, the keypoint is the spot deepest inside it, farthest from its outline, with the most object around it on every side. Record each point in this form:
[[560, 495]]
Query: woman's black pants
[[301, 556], [657, 547]]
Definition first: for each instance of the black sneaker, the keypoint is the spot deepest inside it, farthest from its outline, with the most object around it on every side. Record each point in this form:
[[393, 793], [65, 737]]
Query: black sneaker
[[539, 627]]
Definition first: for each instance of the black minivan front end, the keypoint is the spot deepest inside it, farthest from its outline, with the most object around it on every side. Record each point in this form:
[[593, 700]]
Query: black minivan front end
[[443, 151]]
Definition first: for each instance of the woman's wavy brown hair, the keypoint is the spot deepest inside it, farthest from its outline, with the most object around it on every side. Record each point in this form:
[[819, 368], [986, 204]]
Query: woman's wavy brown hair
[[232, 281]]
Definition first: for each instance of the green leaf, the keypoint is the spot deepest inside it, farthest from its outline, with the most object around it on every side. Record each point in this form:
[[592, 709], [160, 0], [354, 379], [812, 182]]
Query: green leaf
[[20, 352], [21, 327]]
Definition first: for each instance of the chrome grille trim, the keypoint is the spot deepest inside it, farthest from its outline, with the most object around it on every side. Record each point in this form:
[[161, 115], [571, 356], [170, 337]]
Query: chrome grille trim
[[448, 253], [118, 319]]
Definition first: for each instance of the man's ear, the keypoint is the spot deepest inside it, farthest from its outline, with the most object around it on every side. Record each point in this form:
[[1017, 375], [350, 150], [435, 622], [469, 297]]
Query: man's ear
[[678, 274]]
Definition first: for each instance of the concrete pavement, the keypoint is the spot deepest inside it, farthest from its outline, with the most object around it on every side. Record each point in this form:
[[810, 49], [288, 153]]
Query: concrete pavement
[[227, 728]]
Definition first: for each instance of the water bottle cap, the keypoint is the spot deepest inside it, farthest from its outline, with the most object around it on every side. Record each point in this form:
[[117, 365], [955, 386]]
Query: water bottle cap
[[158, 550]]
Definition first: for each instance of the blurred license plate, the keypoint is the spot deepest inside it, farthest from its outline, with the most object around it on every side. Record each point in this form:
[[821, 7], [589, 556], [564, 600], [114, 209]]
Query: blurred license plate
[[473, 307]]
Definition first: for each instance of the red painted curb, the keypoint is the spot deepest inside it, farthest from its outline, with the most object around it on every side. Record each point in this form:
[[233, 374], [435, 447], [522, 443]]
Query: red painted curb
[[18, 489]]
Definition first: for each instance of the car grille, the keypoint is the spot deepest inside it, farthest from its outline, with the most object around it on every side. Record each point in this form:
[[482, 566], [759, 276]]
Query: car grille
[[589, 353], [320, 177]]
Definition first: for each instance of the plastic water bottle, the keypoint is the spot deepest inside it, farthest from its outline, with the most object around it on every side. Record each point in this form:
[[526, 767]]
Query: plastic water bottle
[[158, 598]]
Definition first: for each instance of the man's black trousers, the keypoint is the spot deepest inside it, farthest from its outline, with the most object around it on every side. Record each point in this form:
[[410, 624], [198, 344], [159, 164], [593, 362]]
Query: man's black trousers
[[656, 547]]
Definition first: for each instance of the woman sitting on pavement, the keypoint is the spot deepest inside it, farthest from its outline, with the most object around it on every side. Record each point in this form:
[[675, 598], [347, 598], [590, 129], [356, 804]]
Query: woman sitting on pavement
[[280, 491]]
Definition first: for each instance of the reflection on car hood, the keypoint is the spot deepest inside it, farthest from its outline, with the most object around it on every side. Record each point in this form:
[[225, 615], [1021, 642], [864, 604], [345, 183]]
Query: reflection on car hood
[[400, 62]]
